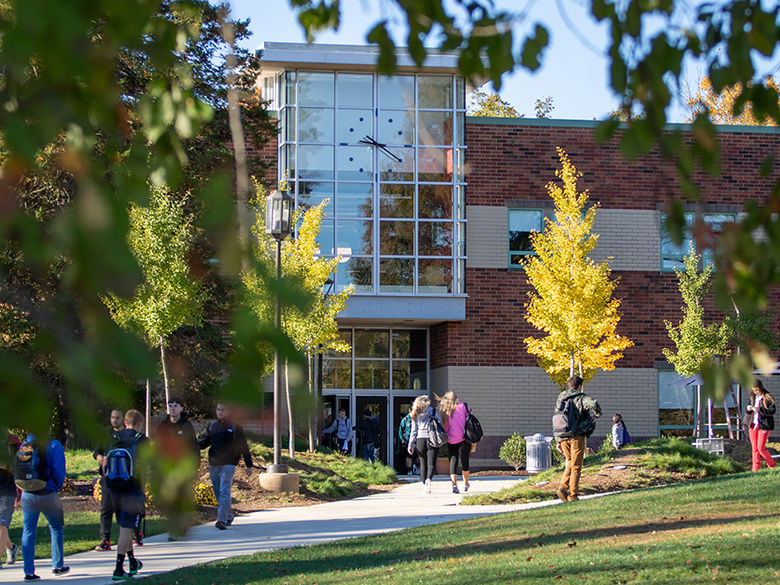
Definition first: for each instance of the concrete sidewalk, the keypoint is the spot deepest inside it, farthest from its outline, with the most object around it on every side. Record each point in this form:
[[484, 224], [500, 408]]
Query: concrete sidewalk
[[403, 507]]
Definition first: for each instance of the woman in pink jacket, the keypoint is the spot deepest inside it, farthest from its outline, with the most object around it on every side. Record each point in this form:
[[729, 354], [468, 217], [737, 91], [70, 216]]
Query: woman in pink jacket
[[453, 417]]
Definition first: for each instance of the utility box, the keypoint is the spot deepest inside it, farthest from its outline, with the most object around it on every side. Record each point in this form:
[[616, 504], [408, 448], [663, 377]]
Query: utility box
[[538, 453]]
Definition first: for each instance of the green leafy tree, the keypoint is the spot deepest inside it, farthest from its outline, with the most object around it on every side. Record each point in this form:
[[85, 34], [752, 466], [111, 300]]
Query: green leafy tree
[[571, 298], [312, 327], [696, 343], [543, 107], [169, 296], [490, 105]]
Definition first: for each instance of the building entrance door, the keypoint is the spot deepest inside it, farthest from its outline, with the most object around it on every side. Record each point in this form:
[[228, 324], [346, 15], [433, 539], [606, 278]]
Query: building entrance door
[[377, 405], [330, 409], [401, 406]]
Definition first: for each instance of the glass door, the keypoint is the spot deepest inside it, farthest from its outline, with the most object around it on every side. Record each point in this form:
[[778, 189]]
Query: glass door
[[377, 407]]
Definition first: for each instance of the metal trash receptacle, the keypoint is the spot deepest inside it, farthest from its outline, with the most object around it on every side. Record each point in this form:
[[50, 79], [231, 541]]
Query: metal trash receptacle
[[538, 453]]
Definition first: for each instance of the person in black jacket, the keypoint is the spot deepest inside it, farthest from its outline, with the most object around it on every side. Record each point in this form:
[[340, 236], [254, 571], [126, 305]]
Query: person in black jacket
[[762, 405], [369, 427], [116, 423], [227, 444], [176, 431]]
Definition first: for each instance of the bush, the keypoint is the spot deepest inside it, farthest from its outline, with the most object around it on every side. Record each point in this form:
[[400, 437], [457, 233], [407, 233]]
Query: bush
[[606, 445], [513, 451]]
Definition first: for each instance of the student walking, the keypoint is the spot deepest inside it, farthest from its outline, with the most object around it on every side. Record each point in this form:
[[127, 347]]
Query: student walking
[[39, 469], [453, 416], [176, 431], [404, 432], [343, 429], [369, 434], [116, 424], [227, 446], [8, 498], [422, 413], [762, 405], [580, 412], [123, 478]]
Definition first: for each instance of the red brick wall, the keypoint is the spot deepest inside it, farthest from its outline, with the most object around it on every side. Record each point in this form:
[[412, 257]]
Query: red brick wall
[[516, 162]]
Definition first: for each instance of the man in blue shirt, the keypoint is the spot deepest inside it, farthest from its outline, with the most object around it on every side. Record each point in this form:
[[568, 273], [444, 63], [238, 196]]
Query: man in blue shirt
[[44, 501]]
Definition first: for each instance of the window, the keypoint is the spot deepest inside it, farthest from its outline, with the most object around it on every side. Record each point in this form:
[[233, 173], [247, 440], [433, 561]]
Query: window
[[672, 256], [677, 407], [522, 223]]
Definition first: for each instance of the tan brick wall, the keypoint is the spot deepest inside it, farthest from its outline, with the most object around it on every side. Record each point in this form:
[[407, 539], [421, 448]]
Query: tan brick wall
[[487, 244], [632, 237]]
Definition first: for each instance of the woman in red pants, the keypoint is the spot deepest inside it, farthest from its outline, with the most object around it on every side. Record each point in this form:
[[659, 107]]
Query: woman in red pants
[[762, 405]]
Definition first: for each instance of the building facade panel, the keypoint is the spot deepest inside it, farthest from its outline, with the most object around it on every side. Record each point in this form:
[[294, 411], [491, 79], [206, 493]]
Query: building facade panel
[[630, 237], [486, 236]]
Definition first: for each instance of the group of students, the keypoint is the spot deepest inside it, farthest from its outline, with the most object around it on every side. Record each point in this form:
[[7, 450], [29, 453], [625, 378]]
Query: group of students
[[36, 474]]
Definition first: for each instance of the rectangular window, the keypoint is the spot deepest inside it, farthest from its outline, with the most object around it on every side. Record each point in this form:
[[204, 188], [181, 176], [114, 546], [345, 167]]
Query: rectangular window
[[672, 256], [716, 221], [522, 223]]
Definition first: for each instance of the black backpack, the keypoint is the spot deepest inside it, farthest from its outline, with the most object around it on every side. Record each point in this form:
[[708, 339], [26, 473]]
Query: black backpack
[[31, 470], [120, 464], [572, 419], [472, 431]]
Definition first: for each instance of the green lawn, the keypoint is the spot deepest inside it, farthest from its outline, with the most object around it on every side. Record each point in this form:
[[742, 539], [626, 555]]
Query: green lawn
[[718, 530]]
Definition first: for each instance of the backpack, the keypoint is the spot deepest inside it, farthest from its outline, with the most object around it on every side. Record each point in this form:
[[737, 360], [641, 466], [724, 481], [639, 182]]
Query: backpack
[[120, 464], [572, 419], [437, 436], [31, 469], [472, 430], [626, 436]]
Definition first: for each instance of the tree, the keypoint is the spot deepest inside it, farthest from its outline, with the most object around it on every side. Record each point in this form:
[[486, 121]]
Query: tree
[[160, 238], [721, 107], [571, 298], [696, 344], [491, 105], [543, 107], [312, 328]]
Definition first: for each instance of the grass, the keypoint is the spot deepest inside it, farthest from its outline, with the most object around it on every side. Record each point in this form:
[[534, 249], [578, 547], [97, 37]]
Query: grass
[[80, 465], [658, 460], [81, 532], [718, 530]]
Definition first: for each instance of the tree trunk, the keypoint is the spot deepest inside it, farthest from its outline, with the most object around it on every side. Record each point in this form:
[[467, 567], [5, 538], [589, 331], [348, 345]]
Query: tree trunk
[[291, 429], [571, 364], [312, 433], [148, 404], [165, 373]]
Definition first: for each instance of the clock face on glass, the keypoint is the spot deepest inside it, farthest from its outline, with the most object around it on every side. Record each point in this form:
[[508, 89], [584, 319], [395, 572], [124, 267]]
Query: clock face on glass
[[394, 163]]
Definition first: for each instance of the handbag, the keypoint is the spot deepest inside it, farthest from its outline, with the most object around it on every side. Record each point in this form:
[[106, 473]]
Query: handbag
[[437, 436], [472, 430], [747, 418]]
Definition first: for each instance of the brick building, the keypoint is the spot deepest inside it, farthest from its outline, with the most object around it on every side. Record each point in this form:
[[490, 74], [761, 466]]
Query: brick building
[[430, 211]]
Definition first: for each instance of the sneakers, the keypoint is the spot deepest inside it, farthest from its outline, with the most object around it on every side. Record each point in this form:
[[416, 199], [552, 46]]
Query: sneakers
[[104, 545], [10, 555], [220, 525], [455, 489], [135, 567], [573, 498], [61, 570], [409, 472], [32, 578], [120, 575], [138, 539], [562, 494], [465, 488], [415, 469], [427, 486]]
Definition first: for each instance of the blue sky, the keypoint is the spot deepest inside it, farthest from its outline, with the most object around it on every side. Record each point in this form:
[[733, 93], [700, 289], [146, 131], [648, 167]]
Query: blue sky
[[574, 69]]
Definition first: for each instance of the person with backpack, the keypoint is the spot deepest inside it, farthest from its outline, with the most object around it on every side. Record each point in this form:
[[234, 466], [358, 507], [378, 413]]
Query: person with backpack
[[620, 436], [453, 416], [573, 422], [343, 430], [39, 471], [422, 415], [227, 445], [8, 498], [369, 430], [116, 424], [404, 432], [762, 422], [123, 479]]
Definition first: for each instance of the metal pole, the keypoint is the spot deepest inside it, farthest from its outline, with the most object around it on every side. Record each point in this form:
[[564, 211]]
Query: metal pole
[[277, 466]]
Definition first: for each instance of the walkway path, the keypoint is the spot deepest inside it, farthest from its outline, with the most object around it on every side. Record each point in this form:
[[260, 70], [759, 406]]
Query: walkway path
[[403, 507]]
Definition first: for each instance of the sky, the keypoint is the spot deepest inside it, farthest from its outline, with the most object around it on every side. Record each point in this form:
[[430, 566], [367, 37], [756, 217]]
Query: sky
[[574, 71]]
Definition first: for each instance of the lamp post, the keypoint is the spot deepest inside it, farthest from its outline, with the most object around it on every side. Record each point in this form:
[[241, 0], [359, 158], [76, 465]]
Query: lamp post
[[278, 224]]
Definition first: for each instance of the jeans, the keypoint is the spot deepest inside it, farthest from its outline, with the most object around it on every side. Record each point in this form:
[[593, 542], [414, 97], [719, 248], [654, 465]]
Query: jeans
[[222, 481], [368, 452], [33, 505], [574, 450], [758, 440]]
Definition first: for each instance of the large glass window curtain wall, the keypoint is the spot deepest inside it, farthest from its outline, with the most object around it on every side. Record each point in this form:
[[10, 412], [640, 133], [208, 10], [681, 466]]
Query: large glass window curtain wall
[[388, 154]]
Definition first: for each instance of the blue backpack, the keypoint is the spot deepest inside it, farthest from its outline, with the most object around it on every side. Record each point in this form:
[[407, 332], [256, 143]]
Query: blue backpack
[[31, 471], [120, 464]]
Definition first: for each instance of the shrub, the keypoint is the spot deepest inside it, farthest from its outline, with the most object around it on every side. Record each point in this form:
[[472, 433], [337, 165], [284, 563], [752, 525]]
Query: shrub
[[333, 486], [606, 445], [513, 451]]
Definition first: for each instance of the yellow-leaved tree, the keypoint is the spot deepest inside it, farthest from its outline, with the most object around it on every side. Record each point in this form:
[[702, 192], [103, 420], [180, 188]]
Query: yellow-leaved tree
[[571, 301], [727, 107], [311, 327]]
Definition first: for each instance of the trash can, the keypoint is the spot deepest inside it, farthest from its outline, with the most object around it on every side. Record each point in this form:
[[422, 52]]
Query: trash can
[[538, 453]]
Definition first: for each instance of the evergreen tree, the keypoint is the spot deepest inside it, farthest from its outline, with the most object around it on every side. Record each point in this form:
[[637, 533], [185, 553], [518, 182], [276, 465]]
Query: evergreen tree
[[571, 301]]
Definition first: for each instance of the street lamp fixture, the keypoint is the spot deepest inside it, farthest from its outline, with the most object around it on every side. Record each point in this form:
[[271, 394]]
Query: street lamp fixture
[[278, 224]]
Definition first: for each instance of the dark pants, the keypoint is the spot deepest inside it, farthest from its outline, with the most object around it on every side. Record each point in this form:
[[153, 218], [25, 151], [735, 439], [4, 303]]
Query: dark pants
[[462, 450], [427, 458], [368, 452], [107, 511]]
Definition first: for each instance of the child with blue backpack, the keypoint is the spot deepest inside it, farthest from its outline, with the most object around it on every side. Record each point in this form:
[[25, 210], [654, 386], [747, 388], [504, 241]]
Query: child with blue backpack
[[123, 479], [620, 436]]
